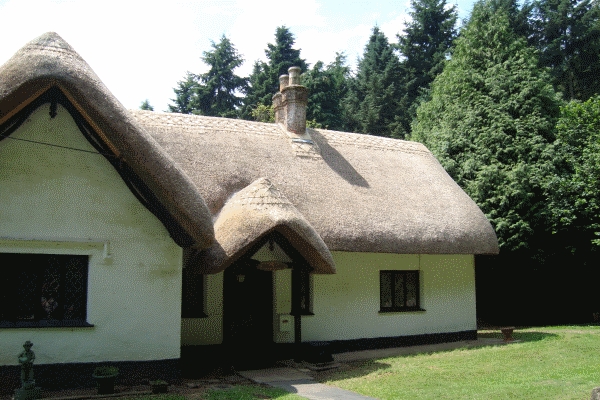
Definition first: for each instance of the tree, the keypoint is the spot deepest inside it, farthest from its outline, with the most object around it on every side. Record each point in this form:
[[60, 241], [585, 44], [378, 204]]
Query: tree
[[186, 95], [372, 103], [146, 106], [327, 86], [567, 33], [423, 48], [214, 93], [264, 79], [219, 88], [490, 122], [575, 190]]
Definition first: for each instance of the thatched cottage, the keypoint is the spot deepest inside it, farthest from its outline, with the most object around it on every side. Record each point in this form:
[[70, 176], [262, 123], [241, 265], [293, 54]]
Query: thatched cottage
[[127, 236]]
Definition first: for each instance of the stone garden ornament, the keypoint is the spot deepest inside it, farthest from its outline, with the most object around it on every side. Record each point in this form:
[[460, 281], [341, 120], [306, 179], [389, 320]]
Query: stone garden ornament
[[27, 391]]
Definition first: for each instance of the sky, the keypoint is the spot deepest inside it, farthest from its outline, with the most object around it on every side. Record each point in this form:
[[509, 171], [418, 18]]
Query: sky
[[140, 49]]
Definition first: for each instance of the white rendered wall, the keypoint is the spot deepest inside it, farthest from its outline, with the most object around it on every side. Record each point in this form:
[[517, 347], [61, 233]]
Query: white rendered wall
[[57, 200], [346, 305]]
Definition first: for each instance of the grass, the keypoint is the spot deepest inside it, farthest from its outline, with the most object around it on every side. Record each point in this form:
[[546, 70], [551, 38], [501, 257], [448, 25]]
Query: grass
[[548, 363], [243, 392]]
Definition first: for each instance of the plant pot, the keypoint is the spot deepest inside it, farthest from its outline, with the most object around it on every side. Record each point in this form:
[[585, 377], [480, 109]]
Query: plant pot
[[105, 383], [159, 387], [507, 333]]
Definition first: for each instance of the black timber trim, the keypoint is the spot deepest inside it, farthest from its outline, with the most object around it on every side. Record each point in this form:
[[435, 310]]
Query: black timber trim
[[283, 242], [79, 375], [342, 346], [46, 323], [135, 184]]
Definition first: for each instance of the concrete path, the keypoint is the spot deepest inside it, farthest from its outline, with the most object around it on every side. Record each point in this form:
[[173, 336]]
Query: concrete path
[[297, 382]]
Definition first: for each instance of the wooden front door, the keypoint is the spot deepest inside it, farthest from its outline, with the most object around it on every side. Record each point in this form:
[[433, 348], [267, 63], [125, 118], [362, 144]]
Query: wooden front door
[[248, 312]]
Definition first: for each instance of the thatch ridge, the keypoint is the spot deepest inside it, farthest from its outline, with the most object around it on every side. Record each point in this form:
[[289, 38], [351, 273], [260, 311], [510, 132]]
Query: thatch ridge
[[47, 62]]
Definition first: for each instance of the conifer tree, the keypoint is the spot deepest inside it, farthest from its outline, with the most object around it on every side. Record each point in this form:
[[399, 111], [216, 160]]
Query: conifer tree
[[216, 92], [264, 79], [186, 95], [567, 33], [490, 122], [146, 106], [327, 86], [220, 86], [372, 104], [423, 48], [575, 190]]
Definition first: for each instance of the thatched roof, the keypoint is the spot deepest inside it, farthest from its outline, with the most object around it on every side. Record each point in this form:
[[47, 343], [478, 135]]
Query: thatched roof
[[47, 63], [359, 192], [321, 190], [253, 212]]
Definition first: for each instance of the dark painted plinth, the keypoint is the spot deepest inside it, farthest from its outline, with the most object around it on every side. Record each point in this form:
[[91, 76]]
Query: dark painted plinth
[[342, 346], [194, 362], [30, 393], [79, 375]]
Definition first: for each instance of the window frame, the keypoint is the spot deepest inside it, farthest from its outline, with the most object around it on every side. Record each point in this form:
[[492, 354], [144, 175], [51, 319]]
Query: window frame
[[38, 321], [193, 294], [395, 308], [301, 291]]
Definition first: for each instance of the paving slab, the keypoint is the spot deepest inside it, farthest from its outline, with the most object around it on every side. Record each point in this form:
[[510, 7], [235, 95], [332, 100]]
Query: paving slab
[[318, 391], [300, 383], [269, 375]]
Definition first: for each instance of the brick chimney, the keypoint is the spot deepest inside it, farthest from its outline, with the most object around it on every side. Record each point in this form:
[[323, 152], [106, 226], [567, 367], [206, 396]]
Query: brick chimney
[[290, 103]]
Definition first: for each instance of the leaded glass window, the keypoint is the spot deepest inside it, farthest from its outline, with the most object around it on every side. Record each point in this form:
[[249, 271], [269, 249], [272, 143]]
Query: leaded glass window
[[399, 290], [43, 287]]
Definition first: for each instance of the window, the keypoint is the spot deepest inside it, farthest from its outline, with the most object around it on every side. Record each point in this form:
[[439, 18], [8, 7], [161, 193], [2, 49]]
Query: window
[[192, 302], [399, 291], [301, 304], [40, 290]]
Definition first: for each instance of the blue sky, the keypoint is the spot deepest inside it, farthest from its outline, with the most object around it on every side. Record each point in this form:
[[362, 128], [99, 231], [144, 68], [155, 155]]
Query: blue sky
[[140, 49]]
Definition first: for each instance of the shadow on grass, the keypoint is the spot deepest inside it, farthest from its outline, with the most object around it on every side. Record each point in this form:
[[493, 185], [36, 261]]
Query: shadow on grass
[[535, 336]]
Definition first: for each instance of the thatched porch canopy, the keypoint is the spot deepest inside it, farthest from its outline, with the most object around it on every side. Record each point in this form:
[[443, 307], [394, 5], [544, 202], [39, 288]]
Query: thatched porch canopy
[[252, 213]]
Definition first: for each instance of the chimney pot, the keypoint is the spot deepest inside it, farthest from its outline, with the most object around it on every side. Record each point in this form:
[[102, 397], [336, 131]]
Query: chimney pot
[[290, 103], [294, 73], [283, 82]]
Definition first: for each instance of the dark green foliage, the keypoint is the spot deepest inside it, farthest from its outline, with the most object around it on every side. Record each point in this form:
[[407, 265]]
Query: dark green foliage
[[218, 92], [567, 33], [146, 106], [575, 191], [423, 47], [490, 122], [327, 86], [214, 93], [186, 99], [372, 105], [264, 80]]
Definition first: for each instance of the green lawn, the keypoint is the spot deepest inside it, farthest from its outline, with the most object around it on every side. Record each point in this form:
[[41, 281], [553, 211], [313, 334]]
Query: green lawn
[[548, 363], [244, 392]]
